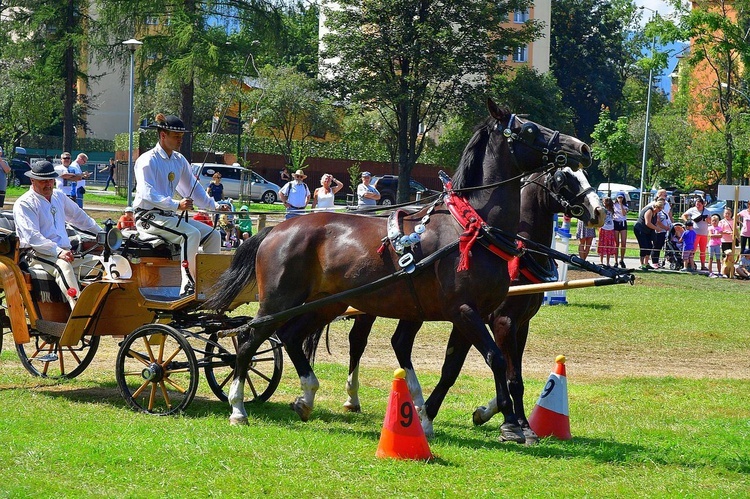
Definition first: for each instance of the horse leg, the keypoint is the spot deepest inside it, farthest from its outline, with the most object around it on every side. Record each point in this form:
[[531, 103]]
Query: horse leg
[[470, 324], [357, 342], [502, 330], [248, 342], [455, 356], [517, 387], [402, 342]]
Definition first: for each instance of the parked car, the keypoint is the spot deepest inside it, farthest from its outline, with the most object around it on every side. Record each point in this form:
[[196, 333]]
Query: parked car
[[387, 186], [261, 190], [717, 207], [19, 166]]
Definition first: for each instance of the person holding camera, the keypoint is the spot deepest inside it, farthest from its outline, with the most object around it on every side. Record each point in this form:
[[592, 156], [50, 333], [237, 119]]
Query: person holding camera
[[699, 216]]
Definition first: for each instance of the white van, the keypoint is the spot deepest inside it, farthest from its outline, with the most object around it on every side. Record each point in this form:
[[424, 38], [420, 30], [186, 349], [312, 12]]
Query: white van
[[611, 190], [261, 190]]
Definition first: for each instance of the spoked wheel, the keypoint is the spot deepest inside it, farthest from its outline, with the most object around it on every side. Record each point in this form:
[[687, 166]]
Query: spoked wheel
[[43, 356], [263, 374], [156, 370]]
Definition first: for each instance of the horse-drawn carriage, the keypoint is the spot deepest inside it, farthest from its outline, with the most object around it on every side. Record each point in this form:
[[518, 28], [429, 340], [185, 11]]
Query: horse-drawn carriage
[[164, 340]]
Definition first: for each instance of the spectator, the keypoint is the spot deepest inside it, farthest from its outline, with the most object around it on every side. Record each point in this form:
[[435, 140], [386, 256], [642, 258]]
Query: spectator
[[688, 240], [78, 186], [284, 176], [727, 231], [64, 175], [744, 223], [40, 215], [606, 246], [215, 189], [367, 195], [244, 223], [620, 219], [295, 195], [644, 230], [323, 196], [4, 171], [699, 216], [126, 220], [742, 269], [662, 194], [202, 216], [159, 173], [714, 245], [585, 236], [110, 171]]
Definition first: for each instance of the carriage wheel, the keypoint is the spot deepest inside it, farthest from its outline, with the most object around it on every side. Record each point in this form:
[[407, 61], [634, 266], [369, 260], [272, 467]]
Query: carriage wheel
[[46, 358], [156, 370], [263, 374]]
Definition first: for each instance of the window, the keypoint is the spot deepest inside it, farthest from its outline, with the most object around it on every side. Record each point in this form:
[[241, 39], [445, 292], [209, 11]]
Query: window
[[152, 20], [519, 54], [520, 16]]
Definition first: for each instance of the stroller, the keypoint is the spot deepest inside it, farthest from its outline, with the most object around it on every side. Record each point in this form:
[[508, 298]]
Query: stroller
[[673, 250]]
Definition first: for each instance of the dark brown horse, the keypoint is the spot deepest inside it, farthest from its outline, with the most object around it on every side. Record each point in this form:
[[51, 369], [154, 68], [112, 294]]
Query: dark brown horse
[[542, 196], [334, 258]]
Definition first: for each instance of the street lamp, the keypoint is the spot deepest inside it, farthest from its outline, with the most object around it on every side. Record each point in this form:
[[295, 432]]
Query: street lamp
[[648, 116], [131, 44]]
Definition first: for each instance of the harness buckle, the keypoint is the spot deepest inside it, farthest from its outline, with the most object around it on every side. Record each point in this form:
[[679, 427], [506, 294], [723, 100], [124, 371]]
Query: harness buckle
[[406, 262]]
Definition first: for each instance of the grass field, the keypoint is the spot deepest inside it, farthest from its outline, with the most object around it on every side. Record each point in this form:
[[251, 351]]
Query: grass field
[[657, 384]]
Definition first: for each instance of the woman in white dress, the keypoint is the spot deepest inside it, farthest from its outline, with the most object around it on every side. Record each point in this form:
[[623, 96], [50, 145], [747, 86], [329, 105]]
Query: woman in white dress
[[323, 195]]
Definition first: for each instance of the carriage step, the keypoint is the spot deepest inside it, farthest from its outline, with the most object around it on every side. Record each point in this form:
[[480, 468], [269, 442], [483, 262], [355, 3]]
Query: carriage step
[[51, 328]]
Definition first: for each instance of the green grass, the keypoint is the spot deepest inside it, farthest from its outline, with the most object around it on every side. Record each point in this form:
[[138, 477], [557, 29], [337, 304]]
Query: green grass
[[675, 433]]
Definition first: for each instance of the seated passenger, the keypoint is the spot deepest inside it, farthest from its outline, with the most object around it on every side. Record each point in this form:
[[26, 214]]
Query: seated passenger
[[40, 215]]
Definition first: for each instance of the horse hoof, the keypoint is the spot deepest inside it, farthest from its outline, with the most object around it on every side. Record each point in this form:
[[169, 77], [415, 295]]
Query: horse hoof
[[429, 430], [352, 407], [301, 408], [531, 437], [238, 420], [477, 417], [510, 432]]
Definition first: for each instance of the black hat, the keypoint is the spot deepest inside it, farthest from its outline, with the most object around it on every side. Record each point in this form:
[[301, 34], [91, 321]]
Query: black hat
[[42, 170], [689, 223], [170, 123]]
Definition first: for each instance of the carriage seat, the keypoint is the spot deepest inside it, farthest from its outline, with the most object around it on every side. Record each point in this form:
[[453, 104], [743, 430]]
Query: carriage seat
[[138, 245], [8, 238]]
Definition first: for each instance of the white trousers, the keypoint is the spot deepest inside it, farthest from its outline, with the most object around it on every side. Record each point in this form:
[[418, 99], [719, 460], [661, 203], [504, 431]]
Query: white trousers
[[66, 274], [188, 234]]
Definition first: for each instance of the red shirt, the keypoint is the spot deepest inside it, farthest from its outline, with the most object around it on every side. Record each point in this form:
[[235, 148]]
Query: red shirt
[[203, 217]]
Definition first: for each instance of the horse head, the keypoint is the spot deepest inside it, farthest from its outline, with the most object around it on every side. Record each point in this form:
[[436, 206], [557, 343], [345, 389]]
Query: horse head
[[575, 196]]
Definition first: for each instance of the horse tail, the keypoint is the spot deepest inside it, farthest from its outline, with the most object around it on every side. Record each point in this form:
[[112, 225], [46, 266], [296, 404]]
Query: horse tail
[[240, 273], [310, 346]]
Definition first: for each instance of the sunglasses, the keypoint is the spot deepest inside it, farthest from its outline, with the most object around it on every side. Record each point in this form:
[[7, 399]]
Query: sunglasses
[[298, 176], [64, 158]]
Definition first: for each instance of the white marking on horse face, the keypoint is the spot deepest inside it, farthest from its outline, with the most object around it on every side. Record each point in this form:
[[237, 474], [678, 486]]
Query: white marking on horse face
[[592, 202], [309, 385]]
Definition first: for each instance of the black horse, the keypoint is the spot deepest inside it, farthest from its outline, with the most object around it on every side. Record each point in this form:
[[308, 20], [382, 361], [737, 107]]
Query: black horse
[[309, 269], [542, 196]]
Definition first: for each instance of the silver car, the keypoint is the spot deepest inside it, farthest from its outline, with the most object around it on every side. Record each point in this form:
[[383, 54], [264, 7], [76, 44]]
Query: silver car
[[261, 190]]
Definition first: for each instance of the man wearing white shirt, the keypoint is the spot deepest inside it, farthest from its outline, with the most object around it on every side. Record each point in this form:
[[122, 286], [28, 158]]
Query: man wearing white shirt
[[78, 188], [40, 215], [159, 173]]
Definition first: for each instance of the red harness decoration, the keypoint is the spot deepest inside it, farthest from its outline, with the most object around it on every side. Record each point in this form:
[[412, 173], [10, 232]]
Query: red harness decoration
[[469, 219]]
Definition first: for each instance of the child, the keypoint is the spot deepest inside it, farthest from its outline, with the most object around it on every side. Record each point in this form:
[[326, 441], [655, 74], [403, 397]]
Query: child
[[244, 223], [606, 246], [585, 236], [727, 231], [742, 269], [688, 249], [226, 228], [714, 245], [126, 221]]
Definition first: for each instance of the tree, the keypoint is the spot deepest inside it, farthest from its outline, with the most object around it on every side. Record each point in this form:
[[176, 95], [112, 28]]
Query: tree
[[293, 110], [718, 31], [612, 143], [591, 56], [52, 34], [418, 59]]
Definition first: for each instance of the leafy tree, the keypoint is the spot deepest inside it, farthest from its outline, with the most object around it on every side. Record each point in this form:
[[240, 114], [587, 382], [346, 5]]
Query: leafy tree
[[52, 35], [613, 144], [719, 51], [591, 55], [416, 60], [293, 109]]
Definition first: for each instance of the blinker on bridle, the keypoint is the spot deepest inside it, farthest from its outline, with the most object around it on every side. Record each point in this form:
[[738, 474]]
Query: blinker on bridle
[[528, 135]]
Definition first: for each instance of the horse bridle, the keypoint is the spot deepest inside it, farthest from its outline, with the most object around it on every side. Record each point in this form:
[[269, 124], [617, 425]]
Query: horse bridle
[[528, 136], [554, 183]]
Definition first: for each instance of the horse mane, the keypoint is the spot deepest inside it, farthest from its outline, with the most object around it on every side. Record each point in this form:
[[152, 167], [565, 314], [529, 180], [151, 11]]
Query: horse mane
[[473, 155]]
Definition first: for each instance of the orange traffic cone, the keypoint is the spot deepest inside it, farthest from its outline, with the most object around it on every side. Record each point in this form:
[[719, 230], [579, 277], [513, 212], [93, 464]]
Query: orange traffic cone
[[402, 436], [550, 414]]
